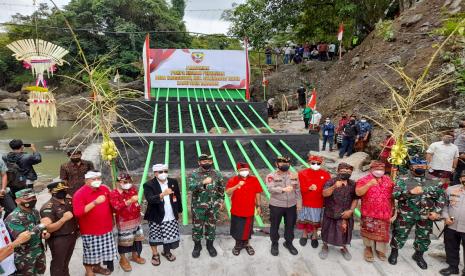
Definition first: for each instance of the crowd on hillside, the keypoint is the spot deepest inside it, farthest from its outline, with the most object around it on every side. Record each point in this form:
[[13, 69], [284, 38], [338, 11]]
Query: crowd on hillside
[[296, 54], [430, 188]]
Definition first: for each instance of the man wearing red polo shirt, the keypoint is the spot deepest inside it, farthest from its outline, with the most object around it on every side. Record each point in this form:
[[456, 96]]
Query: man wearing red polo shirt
[[245, 190], [91, 207]]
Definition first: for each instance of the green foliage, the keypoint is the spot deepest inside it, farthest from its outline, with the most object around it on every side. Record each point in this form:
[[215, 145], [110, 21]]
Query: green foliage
[[385, 30], [96, 22], [450, 24], [261, 20], [279, 21], [219, 42], [179, 6]]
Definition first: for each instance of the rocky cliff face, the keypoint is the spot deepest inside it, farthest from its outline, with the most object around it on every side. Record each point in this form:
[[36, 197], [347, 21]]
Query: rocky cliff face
[[352, 85]]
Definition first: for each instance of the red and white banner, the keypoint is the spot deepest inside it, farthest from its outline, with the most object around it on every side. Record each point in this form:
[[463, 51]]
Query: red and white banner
[[195, 68]]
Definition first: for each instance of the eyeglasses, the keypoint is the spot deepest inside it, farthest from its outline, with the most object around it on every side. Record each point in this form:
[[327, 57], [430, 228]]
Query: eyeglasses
[[315, 163], [162, 171]]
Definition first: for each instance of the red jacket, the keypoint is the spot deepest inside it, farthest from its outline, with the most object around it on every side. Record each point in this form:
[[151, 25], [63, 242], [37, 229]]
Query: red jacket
[[127, 217], [308, 177]]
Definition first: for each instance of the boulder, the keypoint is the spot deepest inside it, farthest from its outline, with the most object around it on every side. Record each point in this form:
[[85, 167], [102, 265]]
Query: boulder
[[69, 108], [411, 20], [8, 95], [8, 104], [357, 160], [3, 124], [355, 61]]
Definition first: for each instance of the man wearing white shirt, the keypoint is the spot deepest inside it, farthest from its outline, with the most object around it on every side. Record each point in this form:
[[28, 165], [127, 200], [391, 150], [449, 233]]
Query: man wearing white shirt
[[442, 158], [7, 259]]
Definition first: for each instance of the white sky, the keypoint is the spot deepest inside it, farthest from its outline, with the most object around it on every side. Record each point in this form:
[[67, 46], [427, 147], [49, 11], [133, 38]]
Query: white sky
[[202, 16]]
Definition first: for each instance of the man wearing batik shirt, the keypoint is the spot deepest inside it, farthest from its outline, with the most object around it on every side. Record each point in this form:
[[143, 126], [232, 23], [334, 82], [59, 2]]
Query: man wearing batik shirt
[[245, 190], [73, 171], [340, 202], [375, 189], [92, 208], [311, 181]]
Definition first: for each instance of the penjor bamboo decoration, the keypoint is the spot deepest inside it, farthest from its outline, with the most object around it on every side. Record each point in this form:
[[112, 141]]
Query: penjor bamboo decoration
[[40, 56], [411, 109]]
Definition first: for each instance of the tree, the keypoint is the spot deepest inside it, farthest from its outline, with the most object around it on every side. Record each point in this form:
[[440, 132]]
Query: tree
[[260, 20], [217, 42], [179, 6], [117, 27]]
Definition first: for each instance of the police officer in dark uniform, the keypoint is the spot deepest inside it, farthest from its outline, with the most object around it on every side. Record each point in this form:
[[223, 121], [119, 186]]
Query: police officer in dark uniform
[[63, 229]]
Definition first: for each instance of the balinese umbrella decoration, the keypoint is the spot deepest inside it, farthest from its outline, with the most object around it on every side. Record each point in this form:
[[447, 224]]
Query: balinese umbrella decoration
[[41, 57]]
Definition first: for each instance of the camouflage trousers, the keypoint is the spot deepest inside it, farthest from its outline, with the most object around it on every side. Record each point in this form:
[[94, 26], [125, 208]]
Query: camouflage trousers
[[402, 227], [204, 218], [27, 265]]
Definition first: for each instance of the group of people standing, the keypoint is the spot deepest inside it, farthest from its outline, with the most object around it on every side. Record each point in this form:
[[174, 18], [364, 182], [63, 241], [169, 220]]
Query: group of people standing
[[296, 54], [311, 200]]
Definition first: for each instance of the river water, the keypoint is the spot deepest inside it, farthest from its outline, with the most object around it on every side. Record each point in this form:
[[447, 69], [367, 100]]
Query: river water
[[41, 137]]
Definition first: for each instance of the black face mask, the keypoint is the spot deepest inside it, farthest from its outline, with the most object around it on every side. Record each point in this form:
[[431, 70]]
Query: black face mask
[[206, 166], [60, 195], [30, 204], [419, 171], [75, 160], [344, 176], [284, 168]]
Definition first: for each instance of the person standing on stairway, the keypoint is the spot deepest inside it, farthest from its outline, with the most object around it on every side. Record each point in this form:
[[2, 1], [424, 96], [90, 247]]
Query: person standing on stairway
[[207, 187]]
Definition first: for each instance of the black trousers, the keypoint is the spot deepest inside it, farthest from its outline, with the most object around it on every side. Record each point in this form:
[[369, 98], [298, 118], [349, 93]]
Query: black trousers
[[452, 240], [62, 248], [290, 218]]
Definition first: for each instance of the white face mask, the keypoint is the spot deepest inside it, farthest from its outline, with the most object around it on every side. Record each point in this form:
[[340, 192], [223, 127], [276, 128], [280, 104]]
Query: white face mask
[[315, 167], [162, 176], [126, 186], [363, 120], [244, 173], [96, 183], [378, 173]]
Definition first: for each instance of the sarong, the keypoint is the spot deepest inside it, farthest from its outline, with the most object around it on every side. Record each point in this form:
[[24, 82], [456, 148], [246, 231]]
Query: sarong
[[165, 233], [241, 227], [98, 249], [374, 229]]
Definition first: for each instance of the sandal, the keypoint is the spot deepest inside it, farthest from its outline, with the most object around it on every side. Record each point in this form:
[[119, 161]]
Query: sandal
[[368, 255], [100, 270], [236, 250], [381, 255], [170, 257], [156, 260], [249, 250]]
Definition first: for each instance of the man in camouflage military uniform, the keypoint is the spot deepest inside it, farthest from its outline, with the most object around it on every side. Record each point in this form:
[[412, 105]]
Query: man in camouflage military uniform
[[30, 256], [207, 187], [63, 229], [419, 203]]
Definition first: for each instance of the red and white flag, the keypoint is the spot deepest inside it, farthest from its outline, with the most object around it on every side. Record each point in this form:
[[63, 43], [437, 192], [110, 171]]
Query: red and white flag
[[312, 101], [340, 32]]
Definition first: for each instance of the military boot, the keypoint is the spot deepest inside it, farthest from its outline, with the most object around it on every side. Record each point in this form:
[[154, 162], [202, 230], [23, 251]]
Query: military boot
[[211, 250], [393, 257], [418, 257], [197, 249]]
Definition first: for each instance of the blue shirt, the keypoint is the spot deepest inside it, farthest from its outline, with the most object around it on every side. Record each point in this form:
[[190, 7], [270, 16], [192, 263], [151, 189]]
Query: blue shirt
[[327, 129], [363, 128]]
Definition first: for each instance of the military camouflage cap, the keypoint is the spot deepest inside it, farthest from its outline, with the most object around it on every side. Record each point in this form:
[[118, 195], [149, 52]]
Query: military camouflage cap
[[204, 156], [26, 193]]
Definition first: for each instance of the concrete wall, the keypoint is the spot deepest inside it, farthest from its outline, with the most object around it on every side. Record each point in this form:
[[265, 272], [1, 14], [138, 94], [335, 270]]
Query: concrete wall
[[141, 114]]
